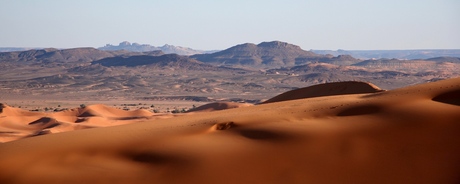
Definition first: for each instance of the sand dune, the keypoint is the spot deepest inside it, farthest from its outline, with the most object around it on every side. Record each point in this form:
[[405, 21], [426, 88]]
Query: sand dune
[[216, 106], [327, 89], [16, 123], [407, 135]]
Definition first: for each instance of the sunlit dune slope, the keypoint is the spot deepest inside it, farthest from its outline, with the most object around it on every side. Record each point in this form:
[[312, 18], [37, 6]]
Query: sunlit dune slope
[[407, 135], [16, 123]]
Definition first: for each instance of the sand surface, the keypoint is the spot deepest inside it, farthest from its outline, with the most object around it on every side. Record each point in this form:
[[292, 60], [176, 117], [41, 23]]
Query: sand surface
[[407, 135]]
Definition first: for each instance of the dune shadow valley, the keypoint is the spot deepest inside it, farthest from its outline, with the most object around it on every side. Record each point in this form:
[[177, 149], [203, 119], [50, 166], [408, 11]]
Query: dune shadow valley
[[253, 113]]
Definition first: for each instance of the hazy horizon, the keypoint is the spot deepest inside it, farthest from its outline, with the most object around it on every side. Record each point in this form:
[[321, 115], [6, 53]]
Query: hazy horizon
[[211, 25]]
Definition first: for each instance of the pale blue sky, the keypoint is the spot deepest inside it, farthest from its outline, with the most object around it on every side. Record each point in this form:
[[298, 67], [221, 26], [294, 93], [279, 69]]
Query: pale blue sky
[[214, 24]]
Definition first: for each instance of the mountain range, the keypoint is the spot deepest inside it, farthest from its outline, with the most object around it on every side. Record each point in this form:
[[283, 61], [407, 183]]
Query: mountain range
[[168, 49], [360, 54], [245, 72]]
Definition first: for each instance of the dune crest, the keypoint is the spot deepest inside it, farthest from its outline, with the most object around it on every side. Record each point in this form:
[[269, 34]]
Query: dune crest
[[451, 97], [217, 106], [327, 89], [16, 123]]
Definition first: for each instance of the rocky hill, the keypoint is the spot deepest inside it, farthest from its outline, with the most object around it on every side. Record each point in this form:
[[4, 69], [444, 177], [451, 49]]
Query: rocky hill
[[268, 54], [55, 55]]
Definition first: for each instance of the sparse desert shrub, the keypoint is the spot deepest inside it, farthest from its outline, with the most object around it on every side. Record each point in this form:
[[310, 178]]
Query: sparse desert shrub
[[58, 110], [82, 105]]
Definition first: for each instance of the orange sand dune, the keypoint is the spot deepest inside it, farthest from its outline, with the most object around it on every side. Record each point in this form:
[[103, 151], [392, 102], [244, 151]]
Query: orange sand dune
[[407, 135], [16, 123], [216, 106], [327, 89]]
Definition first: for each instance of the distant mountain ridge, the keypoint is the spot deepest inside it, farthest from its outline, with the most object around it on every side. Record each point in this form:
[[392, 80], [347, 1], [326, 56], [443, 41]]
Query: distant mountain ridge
[[167, 49], [13, 49], [245, 72], [266, 55], [390, 54], [55, 55], [358, 54], [163, 61], [67, 55]]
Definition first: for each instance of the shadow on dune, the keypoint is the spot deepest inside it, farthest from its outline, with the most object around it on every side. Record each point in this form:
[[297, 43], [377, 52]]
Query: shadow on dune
[[327, 89], [452, 97]]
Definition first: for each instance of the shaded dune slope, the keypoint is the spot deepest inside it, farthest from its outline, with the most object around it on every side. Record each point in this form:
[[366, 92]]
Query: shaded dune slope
[[216, 106], [407, 135], [327, 89]]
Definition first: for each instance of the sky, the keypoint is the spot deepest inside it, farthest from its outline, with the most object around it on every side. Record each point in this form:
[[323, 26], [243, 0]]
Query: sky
[[220, 24]]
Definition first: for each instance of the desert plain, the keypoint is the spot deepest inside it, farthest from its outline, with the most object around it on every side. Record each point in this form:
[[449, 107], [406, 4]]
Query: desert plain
[[343, 132]]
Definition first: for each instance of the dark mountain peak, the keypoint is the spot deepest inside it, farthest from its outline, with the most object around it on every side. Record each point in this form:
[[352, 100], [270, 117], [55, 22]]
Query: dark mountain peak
[[345, 57], [277, 44], [243, 46]]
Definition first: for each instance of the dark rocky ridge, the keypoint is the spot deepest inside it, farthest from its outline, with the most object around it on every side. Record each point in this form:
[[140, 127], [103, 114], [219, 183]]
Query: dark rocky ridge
[[67, 55], [164, 61]]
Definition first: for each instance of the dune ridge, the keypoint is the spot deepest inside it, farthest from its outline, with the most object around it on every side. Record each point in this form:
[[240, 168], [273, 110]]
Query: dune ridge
[[16, 123], [216, 106], [406, 135], [327, 89]]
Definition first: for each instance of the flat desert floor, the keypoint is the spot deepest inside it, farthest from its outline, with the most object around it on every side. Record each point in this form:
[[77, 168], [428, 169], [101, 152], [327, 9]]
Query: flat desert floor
[[334, 133]]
